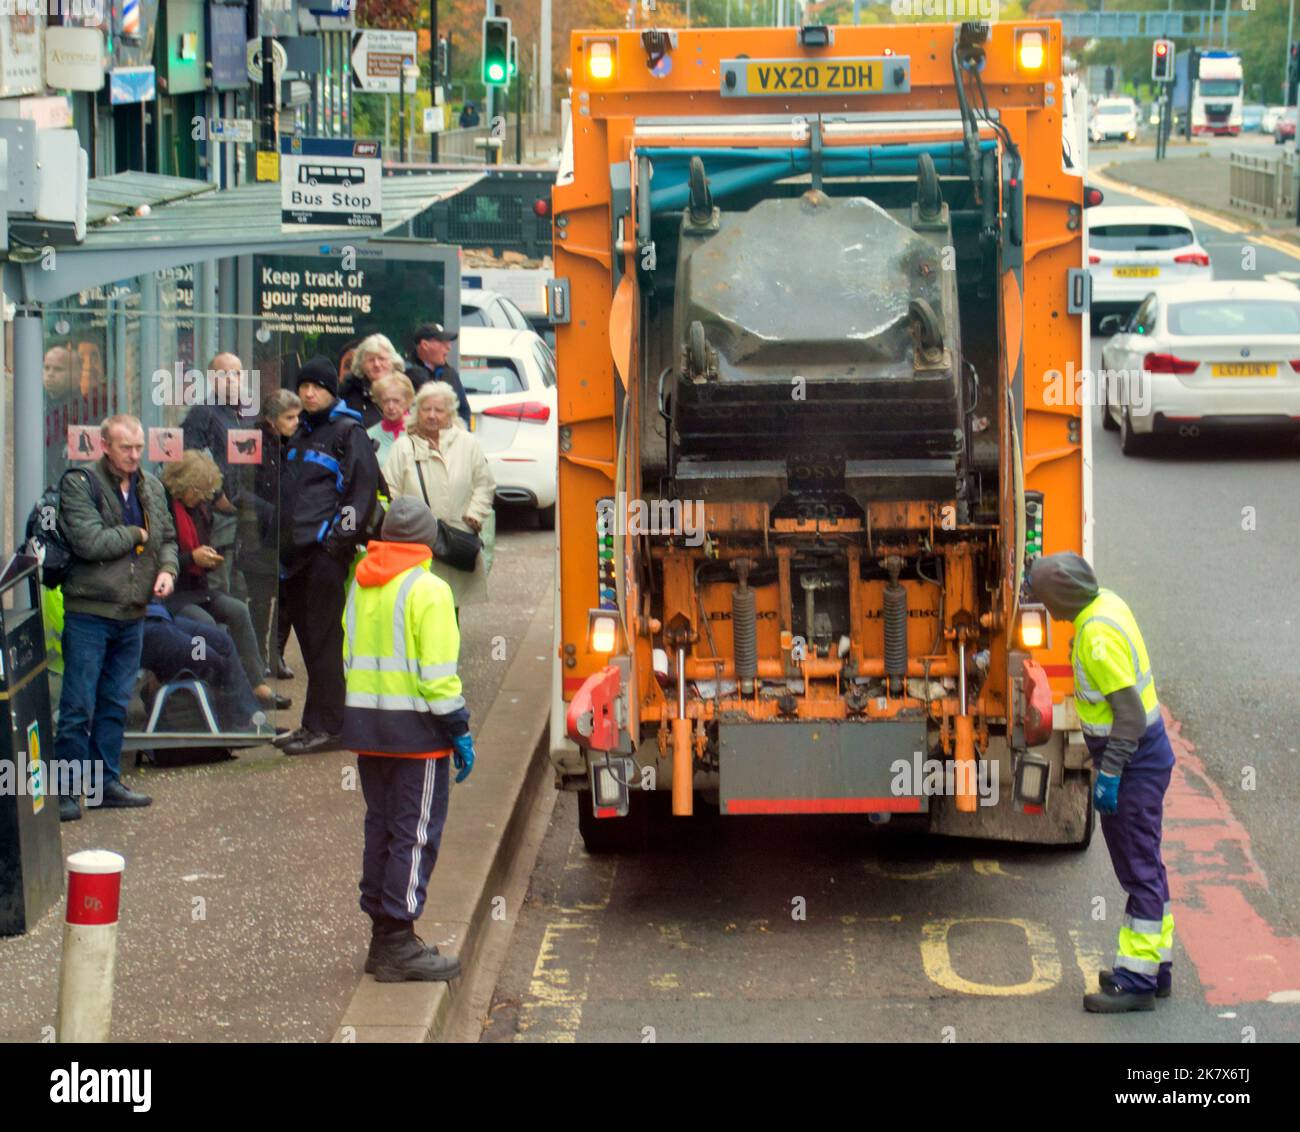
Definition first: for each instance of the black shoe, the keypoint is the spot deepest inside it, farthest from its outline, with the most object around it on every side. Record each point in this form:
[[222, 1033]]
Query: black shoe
[[1111, 1000], [282, 670], [313, 743], [118, 796], [288, 737], [1164, 982], [402, 957], [375, 941], [69, 808], [276, 701]]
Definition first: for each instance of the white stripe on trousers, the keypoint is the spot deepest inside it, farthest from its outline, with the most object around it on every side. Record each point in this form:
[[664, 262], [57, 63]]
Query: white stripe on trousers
[[421, 832]]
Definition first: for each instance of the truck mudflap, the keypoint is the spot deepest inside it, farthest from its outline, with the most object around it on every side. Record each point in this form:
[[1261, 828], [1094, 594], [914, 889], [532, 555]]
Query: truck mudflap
[[823, 767]]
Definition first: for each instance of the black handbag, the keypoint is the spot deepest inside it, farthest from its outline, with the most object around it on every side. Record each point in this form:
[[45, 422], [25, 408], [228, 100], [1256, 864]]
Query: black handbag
[[459, 549]]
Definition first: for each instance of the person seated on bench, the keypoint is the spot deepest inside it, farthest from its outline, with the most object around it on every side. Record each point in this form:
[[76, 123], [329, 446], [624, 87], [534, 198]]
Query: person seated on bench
[[171, 645]]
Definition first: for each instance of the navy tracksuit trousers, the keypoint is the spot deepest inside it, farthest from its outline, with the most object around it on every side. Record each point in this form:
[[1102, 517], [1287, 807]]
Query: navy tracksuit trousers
[[406, 809]]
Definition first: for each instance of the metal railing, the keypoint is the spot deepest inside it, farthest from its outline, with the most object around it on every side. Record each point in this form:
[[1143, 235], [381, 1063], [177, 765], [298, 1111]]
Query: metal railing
[[1263, 186]]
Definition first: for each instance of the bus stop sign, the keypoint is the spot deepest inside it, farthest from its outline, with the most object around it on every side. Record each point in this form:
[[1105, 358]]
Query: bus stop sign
[[330, 183]]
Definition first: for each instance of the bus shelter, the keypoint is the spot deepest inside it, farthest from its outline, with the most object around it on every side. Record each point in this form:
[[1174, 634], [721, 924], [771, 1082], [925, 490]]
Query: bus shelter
[[171, 274]]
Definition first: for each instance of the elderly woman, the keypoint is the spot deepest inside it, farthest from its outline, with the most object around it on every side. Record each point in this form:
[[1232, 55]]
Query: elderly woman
[[260, 517], [192, 482], [394, 394], [374, 358], [438, 461]]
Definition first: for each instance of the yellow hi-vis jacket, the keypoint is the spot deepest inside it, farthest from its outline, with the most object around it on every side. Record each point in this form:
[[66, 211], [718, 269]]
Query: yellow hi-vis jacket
[[1109, 654], [400, 650]]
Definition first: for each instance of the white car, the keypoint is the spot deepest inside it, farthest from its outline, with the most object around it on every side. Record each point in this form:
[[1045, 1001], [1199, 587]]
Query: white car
[[488, 308], [1205, 358], [1133, 249], [1115, 118], [1269, 122], [509, 378]]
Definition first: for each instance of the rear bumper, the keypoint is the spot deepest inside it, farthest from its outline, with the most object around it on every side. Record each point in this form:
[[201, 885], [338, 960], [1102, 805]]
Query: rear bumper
[[523, 477], [1174, 408], [1180, 424]]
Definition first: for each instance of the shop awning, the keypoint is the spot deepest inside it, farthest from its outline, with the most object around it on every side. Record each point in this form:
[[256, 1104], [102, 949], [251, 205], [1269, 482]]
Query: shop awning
[[193, 222]]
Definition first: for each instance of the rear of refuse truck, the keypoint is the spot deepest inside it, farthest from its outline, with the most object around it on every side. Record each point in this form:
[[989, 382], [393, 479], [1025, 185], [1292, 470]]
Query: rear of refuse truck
[[821, 332]]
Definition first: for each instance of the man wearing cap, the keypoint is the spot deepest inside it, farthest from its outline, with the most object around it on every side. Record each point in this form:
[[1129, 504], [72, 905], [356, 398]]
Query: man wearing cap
[[1115, 693], [331, 481], [432, 345], [404, 716]]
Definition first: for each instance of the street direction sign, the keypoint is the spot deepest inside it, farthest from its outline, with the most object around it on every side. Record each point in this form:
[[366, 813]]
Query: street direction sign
[[377, 57]]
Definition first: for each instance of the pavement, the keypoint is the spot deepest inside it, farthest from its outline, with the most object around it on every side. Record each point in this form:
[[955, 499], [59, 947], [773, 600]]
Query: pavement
[[239, 901]]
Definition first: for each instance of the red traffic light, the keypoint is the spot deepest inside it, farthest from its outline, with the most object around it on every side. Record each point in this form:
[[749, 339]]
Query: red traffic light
[[1162, 49]]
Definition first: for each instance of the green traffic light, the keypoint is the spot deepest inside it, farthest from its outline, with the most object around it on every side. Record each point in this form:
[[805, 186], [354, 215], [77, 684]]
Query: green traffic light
[[496, 72]]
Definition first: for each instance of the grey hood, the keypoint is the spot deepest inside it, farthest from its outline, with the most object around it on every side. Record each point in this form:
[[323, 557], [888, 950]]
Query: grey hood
[[1064, 583]]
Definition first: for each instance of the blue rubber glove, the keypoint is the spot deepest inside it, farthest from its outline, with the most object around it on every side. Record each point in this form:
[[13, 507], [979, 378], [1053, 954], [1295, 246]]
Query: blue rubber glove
[[463, 755], [1105, 794]]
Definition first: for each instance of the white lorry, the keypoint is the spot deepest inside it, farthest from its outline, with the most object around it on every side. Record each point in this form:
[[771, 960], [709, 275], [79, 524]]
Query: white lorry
[[1217, 97]]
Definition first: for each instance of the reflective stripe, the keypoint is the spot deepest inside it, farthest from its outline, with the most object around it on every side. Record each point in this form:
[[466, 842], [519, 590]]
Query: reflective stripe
[[1146, 927], [399, 614], [394, 664], [1141, 675], [1138, 966], [1103, 729], [421, 834], [377, 702]]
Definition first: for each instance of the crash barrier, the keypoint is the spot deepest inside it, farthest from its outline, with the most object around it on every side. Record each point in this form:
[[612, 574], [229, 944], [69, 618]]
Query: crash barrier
[[1263, 185]]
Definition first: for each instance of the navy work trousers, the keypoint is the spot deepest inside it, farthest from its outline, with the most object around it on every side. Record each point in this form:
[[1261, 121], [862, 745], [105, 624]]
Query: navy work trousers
[[406, 808]]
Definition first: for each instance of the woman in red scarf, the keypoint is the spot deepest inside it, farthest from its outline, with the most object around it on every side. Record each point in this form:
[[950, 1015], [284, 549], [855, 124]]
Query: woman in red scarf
[[394, 395], [192, 482]]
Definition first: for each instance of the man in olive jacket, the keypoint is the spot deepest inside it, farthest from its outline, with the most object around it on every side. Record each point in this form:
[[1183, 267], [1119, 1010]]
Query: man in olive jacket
[[120, 531]]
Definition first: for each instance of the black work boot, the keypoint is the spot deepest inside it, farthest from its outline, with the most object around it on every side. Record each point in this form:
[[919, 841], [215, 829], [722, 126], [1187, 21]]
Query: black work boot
[[1164, 981], [1111, 1000], [402, 957], [378, 929]]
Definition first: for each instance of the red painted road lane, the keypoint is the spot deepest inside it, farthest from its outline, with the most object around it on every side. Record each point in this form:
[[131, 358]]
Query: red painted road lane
[[1237, 954]]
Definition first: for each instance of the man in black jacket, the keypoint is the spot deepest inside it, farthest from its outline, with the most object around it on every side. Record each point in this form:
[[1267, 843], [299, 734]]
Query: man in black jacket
[[432, 346], [331, 483]]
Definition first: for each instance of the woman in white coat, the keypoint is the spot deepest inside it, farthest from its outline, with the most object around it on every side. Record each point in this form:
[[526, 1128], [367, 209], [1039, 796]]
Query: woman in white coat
[[438, 461]]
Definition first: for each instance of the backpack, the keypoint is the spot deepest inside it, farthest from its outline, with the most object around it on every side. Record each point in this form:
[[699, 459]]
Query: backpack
[[374, 520], [45, 537]]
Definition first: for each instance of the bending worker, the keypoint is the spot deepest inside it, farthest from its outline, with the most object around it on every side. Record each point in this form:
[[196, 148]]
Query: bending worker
[[1116, 696], [405, 717]]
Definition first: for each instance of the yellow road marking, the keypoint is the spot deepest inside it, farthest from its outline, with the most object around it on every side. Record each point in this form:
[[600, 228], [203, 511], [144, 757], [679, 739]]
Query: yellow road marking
[[993, 869], [1286, 247], [1213, 219], [1043, 956], [1090, 962], [557, 991], [938, 869]]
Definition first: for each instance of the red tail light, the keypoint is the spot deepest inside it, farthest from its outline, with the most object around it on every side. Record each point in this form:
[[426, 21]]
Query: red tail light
[[1200, 259], [1094, 258], [1167, 363], [1296, 366], [537, 411]]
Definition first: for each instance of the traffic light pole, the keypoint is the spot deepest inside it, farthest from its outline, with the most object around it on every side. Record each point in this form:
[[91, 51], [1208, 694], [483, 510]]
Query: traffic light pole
[[434, 77], [519, 116]]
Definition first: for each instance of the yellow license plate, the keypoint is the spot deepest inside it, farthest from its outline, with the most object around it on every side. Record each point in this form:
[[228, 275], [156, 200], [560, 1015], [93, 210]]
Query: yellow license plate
[[1244, 369], [1136, 272], [823, 77]]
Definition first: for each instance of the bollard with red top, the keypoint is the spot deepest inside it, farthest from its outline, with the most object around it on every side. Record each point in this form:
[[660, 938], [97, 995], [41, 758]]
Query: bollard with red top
[[89, 946]]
